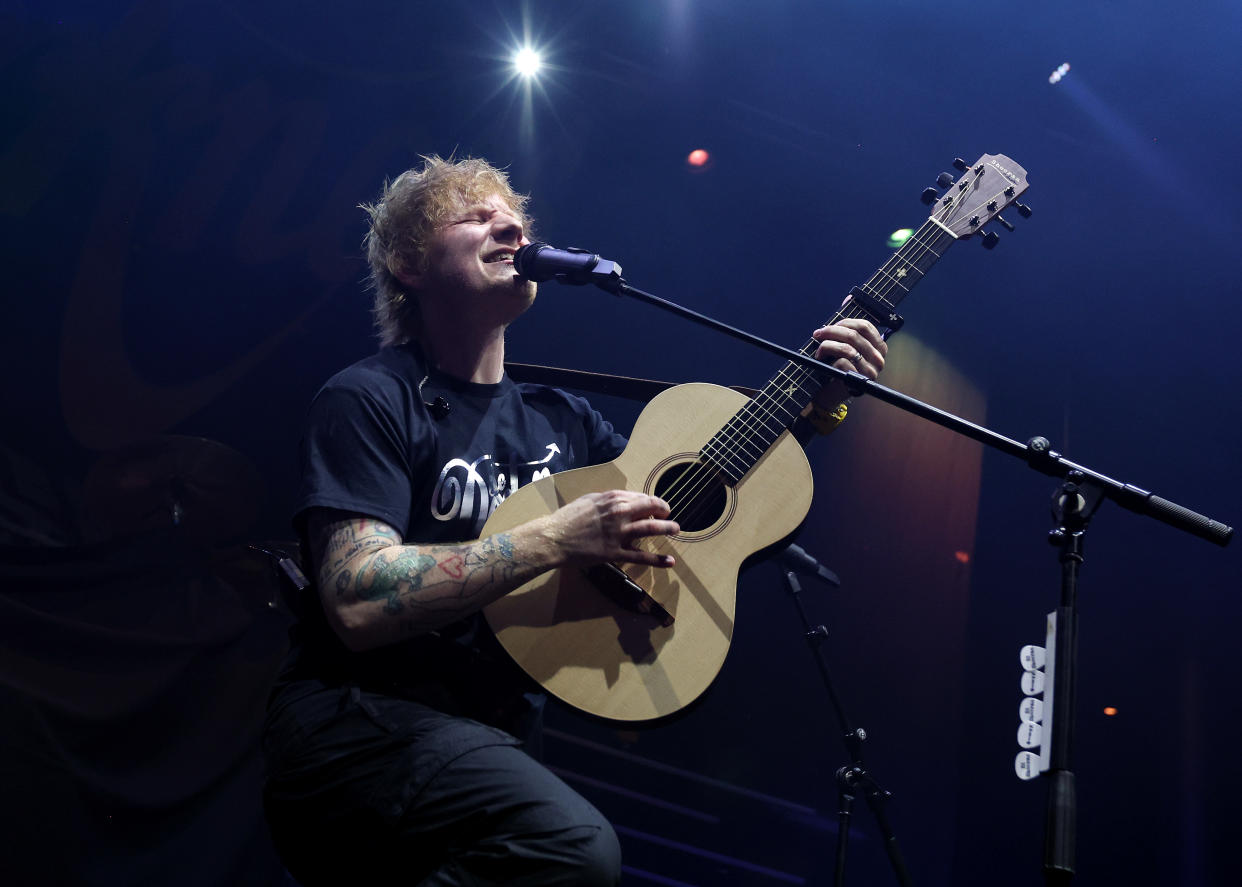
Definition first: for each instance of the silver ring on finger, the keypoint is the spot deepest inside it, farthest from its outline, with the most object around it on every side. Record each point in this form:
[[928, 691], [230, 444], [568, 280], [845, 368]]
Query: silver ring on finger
[[857, 358]]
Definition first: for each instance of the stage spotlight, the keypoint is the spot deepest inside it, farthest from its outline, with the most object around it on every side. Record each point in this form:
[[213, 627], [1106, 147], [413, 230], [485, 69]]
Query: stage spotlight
[[1061, 71], [527, 62], [900, 236], [698, 157]]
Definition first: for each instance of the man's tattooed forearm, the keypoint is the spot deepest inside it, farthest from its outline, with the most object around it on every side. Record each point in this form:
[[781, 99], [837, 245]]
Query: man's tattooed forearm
[[418, 587], [437, 583]]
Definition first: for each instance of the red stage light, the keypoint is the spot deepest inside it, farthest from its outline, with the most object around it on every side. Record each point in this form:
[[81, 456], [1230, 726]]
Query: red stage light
[[698, 157]]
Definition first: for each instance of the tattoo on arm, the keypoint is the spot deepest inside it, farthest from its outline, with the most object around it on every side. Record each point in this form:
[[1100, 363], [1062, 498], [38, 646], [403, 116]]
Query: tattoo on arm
[[454, 566], [390, 579], [425, 586]]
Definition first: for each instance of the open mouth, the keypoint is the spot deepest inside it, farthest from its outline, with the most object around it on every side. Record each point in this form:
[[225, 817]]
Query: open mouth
[[504, 255]]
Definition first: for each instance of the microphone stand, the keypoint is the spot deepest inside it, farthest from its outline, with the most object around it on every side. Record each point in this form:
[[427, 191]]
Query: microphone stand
[[854, 777], [1061, 813], [1073, 504], [1036, 452]]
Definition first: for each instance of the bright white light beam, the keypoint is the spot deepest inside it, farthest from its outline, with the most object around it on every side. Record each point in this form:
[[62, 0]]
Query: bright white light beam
[[527, 62]]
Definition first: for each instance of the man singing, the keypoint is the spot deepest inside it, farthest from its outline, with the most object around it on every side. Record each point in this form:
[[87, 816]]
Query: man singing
[[395, 732]]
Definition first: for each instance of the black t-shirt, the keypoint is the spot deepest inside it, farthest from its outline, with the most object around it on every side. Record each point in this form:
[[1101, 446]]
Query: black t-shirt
[[373, 447]]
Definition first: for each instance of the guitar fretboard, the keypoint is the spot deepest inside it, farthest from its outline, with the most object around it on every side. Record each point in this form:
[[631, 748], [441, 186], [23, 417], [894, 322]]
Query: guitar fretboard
[[753, 430]]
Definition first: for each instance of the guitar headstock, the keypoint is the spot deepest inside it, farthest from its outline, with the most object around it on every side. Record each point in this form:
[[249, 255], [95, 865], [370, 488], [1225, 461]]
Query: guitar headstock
[[991, 184]]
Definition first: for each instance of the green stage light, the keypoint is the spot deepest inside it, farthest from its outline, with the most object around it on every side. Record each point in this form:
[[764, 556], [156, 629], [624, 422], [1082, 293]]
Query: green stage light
[[900, 236]]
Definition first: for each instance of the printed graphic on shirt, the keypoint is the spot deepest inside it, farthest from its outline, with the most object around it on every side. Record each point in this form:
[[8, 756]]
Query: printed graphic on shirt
[[471, 491]]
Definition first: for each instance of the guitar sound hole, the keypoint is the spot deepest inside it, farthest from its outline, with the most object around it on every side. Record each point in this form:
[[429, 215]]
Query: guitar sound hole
[[695, 495]]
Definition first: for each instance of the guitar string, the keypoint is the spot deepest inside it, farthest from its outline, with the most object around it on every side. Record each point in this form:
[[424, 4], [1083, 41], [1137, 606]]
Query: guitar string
[[885, 281], [735, 442], [890, 282], [755, 407], [687, 492], [697, 490], [765, 405], [709, 475], [699, 484], [767, 400], [916, 243], [798, 375]]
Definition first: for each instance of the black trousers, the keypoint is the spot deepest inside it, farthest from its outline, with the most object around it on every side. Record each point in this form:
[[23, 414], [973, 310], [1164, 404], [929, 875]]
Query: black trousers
[[365, 788]]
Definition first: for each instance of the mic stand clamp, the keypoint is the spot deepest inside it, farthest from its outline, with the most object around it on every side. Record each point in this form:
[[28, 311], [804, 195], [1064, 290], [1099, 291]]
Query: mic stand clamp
[[604, 273], [850, 781]]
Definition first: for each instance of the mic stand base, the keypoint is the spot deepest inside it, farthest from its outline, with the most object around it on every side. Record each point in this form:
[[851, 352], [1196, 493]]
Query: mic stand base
[[875, 796]]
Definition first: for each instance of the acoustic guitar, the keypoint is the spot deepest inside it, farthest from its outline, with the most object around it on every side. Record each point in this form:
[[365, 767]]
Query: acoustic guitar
[[632, 643]]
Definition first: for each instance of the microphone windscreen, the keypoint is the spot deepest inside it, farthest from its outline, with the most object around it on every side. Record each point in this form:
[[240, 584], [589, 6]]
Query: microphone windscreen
[[524, 262]]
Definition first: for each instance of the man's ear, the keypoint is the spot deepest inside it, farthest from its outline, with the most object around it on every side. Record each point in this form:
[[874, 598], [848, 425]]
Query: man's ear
[[405, 271]]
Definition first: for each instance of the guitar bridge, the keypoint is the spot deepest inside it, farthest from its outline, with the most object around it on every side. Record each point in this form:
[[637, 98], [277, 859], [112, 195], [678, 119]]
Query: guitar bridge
[[623, 591]]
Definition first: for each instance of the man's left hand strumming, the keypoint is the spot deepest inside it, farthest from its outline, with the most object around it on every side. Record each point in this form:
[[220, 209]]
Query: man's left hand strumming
[[851, 344]]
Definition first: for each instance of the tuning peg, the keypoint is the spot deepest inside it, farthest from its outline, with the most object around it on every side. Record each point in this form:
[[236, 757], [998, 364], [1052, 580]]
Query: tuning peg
[[1001, 219], [1023, 210], [945, 179], [990, 240], [959, 164], [929, 196]]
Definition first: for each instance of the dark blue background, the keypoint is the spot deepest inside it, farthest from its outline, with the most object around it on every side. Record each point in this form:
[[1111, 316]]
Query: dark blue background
[[182, 256]]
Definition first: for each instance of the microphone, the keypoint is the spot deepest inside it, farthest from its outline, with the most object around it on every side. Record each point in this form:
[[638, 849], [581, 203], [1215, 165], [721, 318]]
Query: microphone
[[439, 408], [795, 558], [540, 262]]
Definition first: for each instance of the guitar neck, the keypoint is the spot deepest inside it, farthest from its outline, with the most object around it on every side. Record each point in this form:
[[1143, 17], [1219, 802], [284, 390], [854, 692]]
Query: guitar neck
[[755, 427]]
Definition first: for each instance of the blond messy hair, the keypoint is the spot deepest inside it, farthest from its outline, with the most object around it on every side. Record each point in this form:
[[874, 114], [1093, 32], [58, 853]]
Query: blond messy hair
[[409, 211]]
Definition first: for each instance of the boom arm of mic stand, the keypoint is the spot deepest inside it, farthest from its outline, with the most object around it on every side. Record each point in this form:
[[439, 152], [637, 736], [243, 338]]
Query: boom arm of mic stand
[[1037, 452]]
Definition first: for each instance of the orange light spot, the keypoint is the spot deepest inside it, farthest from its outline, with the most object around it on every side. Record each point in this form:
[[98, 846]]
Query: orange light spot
[[963, 557], [1109, 710], [698, 157]]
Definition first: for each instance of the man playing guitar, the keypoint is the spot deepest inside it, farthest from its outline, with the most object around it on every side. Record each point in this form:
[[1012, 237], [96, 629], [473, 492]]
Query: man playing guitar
[[395, 732]]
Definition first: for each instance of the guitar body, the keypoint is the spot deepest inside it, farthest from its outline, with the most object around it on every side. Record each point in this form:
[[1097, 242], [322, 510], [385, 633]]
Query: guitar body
[[605, 655]]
